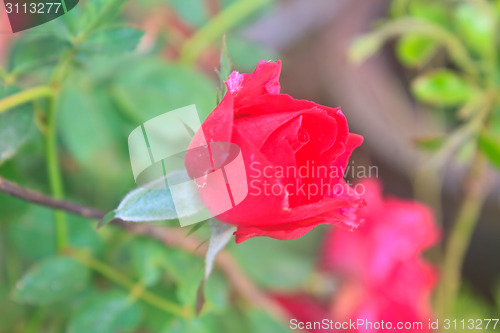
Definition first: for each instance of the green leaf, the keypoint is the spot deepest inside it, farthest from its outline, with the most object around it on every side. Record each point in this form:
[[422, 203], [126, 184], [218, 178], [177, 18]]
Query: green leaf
[[106, 219], [220, 236], [54, 279], [81, 111], [160, 267], [476, 26], [149, 203], [288, 267], [194, 12], [442, 88], [82, 235], [150, 87], [490, 146], [195, 228], [198, 325], [216, 294], [235, 320], [114, 40], [260, 321], [11, 208], [155, 319], [104, 313], [15, 127], [431, 11], [232, 320], [364, 47], [32, 234], [95, 14], [186, 270], [85, 108], [471, 305], [415, 49], [36, 51], [12, 313], [147, 260], [245, 54]]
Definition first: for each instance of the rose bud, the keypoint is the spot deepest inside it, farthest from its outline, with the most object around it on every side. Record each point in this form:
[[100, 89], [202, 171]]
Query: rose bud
[[294, 154]]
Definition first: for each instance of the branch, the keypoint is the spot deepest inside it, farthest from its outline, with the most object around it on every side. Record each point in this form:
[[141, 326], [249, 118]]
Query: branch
[[22, 193], [168, 236], [25, 97]]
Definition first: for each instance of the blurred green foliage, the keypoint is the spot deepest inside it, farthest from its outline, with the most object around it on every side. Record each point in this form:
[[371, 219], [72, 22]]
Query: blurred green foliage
[[450, 52], [15, 126], [452, 48], [106, 85]]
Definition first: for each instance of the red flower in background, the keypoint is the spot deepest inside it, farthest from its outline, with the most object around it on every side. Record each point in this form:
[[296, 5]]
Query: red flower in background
[[279, 135], [385, 277], [6, 34], [303, 309]]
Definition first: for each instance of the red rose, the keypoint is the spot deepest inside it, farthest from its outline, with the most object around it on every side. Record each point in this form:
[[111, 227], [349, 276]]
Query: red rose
[[385, 275], [294, 152]]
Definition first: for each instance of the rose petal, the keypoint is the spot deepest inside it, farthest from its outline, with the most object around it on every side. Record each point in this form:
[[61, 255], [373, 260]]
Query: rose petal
[[263, 80]]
